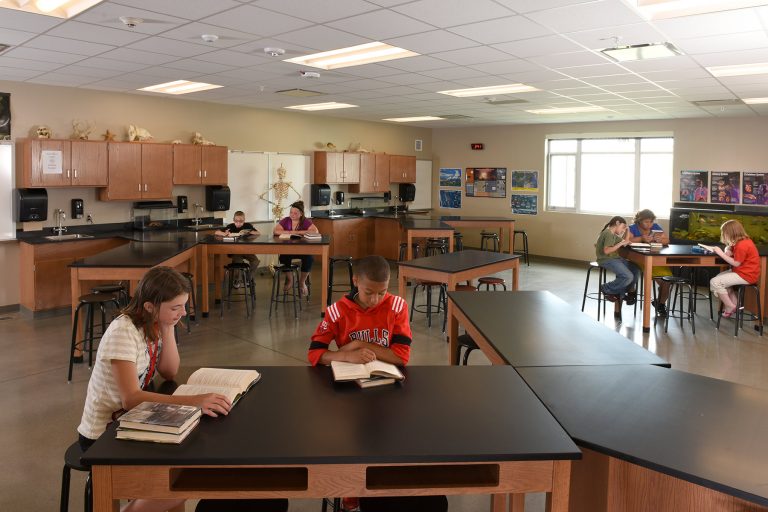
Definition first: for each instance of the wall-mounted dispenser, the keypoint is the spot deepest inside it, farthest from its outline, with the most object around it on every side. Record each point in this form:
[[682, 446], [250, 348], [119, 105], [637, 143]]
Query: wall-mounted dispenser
[[407, 192], [77, 209], [321, 195], [31, 204], [217, 198], [181, 204], [339, 197]]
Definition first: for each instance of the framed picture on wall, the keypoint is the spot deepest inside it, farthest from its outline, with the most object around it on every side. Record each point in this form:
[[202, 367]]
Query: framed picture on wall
[[5, 116], [725, 187], [525, 204], [486, 182], [527, 181], [450, 177], [694, 186], [755, 188], [450, 198]]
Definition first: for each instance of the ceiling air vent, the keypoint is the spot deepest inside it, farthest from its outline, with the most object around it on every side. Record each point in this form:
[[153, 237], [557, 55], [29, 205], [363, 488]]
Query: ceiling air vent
[[454, 116], [299, 93], [718, 103], [493, 101]]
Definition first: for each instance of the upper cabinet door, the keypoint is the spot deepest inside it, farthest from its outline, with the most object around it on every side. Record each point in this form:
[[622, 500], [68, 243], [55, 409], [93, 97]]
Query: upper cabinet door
[[382, 173], [124, 170], [50, 163], [89, 163], [156, 171], [328, 167], [402, 169], [186, 164], [214, 165], [351, 164]]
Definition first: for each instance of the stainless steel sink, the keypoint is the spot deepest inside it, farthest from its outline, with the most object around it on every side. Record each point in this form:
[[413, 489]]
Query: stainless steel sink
[[73, 236], [335, 216], [202, 227]]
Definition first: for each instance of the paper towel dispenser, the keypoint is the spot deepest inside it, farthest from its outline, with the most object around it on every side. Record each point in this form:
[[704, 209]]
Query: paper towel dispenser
[[407, 192], [321, 194], [31, 204], [217, 198]]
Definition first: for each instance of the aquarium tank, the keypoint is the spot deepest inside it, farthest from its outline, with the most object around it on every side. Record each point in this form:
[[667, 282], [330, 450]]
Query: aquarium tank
[[701, 223]]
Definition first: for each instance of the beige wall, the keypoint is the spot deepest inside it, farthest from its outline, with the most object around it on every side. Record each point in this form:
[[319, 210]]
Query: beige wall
[[168, 119], [709, 144]]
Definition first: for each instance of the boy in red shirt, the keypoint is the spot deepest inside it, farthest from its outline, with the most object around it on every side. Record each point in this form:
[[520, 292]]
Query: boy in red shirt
[[366, 325]]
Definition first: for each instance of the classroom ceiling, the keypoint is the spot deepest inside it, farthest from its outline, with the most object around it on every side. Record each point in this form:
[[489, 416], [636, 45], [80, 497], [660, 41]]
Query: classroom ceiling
[[552, 45]]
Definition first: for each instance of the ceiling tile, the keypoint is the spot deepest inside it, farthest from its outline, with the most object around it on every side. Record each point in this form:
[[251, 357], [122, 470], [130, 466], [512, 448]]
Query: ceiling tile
[[723, 43], [20, 20], [94, 73], [322, 38], [379, 25], [475, 55], [17, 73], [191, 33], [449, 13], [539, 46], [319, 12], [67, 45], [100, 62], [418, 64], [42, 55], [108, 15], [569, 60], [453, 73], [505, 67], [170, 47], [253, 20], [663, 64], [431, 41], [94, 33], [189, 9], [146, 58], [233, 59], [627, 78], [704, 25], [62, 79], [408, 79], [725, 59], [198, 66], [15, 37], [512, 28], [585, 16], [604, 37]]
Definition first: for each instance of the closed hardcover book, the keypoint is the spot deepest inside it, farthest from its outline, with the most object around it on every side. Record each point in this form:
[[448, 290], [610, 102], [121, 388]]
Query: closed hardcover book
[[159, 417], [373, 382], [155, 437], [313, 236]]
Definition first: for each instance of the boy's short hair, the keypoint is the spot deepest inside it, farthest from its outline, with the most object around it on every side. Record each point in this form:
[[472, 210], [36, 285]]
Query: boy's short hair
[[373, 267], [238, 213]]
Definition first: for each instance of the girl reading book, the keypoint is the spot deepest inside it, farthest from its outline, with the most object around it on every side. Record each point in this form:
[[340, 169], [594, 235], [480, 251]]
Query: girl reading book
[[297, 224], [645, 229], [741, 254], [137, 344], [613, 237]]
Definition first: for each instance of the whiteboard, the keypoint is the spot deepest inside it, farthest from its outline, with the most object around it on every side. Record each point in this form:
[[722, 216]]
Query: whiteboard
[[7, 224], [251, 174]]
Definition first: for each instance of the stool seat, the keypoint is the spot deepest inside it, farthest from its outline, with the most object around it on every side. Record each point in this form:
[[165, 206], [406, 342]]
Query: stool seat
[[88, 301], [108, 288], [465, 288], [96, 298], [277, 297], [524, 252], [490, 238], [489, 281], [675, 279], [332, 261], [466, 342], [238, 274], [72, 458], [598, 295], [239, 265], [429, 308]]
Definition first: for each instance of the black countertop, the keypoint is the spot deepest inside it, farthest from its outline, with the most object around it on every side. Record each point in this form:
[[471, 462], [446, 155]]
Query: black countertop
[[135, 254], [264, 239], [537, 328], [458, 261], [706, 431], [437, 415]]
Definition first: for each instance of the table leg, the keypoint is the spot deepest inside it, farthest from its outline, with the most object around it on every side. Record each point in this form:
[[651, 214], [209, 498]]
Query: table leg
[[517, 503], [204, 272], [516, 274], [76, 289], [409, 248], [450, 243], [557, 499], [102, 490], [647, 291], [324, 280], [453, 335], [498, 503], [401, 283], [511, 237], [218, 276]]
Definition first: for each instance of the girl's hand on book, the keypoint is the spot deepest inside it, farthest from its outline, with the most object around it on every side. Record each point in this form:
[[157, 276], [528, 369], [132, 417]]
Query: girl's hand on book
[[214, 404]]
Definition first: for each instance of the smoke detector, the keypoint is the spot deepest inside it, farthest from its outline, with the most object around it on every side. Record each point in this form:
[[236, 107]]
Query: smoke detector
[[273, 51], [309, 74], [130, 21], [209, 38]]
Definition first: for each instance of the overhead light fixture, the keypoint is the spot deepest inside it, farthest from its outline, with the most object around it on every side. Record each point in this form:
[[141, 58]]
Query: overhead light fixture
[[567, 110], [209, 38], [663, 9], [367, 53], [755, 101], [641, 52], [180, 87], [759, 68], [299, 93], [413, 119], [58, 8], [489, 91], [321, 106]]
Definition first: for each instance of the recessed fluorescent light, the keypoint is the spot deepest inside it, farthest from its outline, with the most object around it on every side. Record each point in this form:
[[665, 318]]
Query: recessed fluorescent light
[[755, 101], [663, 9], [413, 119], [641, 52], [353, 56], [490, 90], [180, 87], [759, 68], [322, 106], [58, 8], [567, 110]]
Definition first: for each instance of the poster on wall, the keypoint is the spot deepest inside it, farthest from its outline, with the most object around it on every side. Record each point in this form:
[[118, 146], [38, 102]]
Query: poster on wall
[[5, 116], [725, 187], [755, 188], [694, 186], [450, 177], [526, 181], [450, 198], [486, 182], [525, 204]]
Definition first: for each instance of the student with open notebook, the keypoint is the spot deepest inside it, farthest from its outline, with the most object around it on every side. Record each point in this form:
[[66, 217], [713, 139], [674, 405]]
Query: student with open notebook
[[645, 229], [238, 226], [296, 223]]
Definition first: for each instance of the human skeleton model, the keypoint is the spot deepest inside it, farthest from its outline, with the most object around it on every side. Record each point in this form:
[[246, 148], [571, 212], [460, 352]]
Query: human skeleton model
[[281, 189]]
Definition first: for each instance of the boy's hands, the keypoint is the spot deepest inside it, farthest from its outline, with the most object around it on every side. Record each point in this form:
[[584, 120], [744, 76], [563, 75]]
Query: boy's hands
[[357, 352]]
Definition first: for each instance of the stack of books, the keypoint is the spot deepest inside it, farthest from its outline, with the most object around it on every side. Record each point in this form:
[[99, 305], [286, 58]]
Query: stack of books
[[375, 373], [158, 423], [313, 236]]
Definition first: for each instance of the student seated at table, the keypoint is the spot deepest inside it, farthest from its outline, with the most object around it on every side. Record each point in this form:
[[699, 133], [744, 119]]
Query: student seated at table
[[239, 225], [741, 254], [612, 238], [137, 344], [645, 229], [297, 223]]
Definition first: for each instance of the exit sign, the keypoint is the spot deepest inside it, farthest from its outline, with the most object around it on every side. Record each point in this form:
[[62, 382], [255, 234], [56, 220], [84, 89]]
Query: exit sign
[[477, 145]]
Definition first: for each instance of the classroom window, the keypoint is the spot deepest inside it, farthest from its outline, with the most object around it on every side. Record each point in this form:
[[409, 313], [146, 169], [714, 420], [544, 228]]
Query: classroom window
[[612, 176]]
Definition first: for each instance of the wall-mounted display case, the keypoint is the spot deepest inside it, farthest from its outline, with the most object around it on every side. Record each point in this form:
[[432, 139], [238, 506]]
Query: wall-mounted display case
[[701, 223]]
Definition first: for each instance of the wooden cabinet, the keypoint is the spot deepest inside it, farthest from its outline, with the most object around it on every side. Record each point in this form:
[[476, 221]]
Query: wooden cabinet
[[44, 270], [61, 163], [334, 168], [388, 234], [374, 173], [349, 237], [138, 171], [199, 165], [402, 169]]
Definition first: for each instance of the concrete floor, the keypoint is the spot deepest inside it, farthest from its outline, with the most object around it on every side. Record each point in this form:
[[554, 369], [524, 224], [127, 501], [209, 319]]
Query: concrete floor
[[41, 411]]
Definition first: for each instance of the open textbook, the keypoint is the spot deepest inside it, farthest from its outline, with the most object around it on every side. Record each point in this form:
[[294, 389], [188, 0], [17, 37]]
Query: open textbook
[[375, 373], [228, 382]]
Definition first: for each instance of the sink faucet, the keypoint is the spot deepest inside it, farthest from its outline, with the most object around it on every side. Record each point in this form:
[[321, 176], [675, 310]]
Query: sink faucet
[[60, 217], [195, 207]]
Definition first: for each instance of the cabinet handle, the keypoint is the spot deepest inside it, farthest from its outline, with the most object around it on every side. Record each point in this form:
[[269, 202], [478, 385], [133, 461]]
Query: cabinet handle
[[68, 174], [75, 171], [205, 174], [199, 174], [139, 187], [145, 187]]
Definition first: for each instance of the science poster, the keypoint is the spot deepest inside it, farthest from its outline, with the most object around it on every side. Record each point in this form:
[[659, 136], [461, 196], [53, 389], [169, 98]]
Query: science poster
[[694, 186], [486, 182], [526, 181], [725, 187], [450, 177], [755, 188], [450, 198], [525, 204]]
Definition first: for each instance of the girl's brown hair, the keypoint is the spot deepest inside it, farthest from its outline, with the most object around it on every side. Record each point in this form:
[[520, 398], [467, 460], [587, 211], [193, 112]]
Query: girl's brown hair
[[299, 205], [732, 231], [644, 214], [614, 220], [160, 284]]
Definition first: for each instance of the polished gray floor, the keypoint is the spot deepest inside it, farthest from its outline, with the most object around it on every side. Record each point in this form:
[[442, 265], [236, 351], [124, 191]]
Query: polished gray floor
[[40, 410]]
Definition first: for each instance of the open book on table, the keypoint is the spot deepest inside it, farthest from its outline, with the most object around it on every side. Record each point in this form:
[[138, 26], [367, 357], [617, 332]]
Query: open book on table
[[708, 248], [288, 236], [368, 372], [228, 382]]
